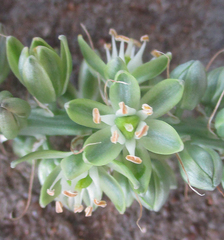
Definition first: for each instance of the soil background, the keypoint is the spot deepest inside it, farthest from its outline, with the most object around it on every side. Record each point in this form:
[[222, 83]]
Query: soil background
[[190, 29]]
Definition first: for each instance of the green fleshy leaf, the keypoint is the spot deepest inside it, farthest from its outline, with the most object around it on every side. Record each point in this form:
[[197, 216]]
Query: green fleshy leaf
[[142, 171], [37, 81], [66, 60], [203, 167], [113, 190], [73, 166], [161, 138], [46, 198], [181, 70], [104, 151], [4, 95], [22, 59], [159, 187], [14, 48], [219, 123], [128, 93], [91, 57], [37, 41], [81, 112], [152, 68], [83, 183], [124, 170], [43, 154], [114, 66], [88, 84], [219, 88], [51, 63], [164, 96]]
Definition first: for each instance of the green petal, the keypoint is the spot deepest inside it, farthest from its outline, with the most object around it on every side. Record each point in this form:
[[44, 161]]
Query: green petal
[[142, 171], [104, 151], [161, 138], [48, 154], [128, 93], [52, 65], [46, 198], [81, 112], [112, 189], [152, 68], [37, 81], [14, 48], [124, 170], [91, 57], [164, 96], [66, 60], [73, 166]]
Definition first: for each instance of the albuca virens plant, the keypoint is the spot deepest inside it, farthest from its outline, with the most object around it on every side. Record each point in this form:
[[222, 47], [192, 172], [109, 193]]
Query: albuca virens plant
[[126, 117]]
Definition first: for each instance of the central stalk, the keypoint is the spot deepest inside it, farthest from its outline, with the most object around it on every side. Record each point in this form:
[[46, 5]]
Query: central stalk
[[127, 125]]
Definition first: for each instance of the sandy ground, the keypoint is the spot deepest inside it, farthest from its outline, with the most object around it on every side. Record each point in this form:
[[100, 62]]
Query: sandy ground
[[190, 29]]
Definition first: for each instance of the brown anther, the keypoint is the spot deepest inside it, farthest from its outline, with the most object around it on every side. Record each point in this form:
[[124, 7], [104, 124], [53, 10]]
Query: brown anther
[[129, 127], [144, 38], [96, 116], [101, 203], [134, 159], [113, 32], [114, 137], [78, 209], [122, 38], [136, 43], [147, 109], [88, 211], [143, 131], [69, 193], [50, 192], [58, 207], [123, 108], [156, 53], [107, 46]]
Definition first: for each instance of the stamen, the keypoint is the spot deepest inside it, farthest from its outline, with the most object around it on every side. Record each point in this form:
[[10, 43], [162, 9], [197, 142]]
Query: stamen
[[88, 211], [142, 132], [156, 53], [58, 207], [144, 38], [129, 127], [78, 209], [114, 137], [96, 116], [147, 109], [69, 193], [123, 108], [122, 38], [137, 43], [101, 203], [113, 32], [107, 47], [134, 159], [50, 192]]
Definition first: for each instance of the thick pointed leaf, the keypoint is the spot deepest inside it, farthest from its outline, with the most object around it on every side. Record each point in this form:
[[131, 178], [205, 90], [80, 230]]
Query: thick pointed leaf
[[46, 198], [81, 112], [22, 59], [161, 138], [43, 154], [37, 41], [164, 96], [142, 171], [127, 92], [91, 57], [112, 189], [52, 64], [73, 166], [14, 48], [104, 151], [124, 170], [37, 81], [180, 71], [219, 123], [66, 60], [152, 68]]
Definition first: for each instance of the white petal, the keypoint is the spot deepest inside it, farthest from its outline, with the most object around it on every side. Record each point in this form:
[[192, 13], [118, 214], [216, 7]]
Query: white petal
[[131, 111], [121, 138], [121, 52], [108, 119], [130, 145]]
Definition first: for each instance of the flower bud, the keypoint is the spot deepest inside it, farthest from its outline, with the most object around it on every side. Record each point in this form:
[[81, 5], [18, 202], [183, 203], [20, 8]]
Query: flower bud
[[202, 165], [194, 75], [219, 123], [13, 114], [4, 66], [40, 69]]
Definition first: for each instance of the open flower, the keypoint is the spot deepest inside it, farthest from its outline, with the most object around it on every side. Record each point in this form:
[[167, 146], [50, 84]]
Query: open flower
[[129, 121]]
